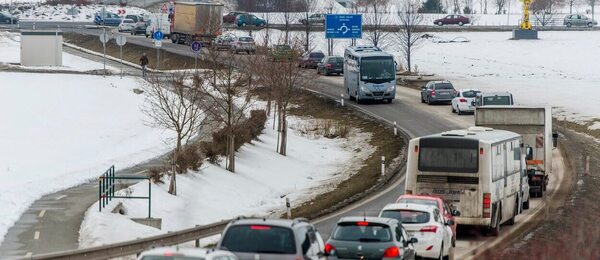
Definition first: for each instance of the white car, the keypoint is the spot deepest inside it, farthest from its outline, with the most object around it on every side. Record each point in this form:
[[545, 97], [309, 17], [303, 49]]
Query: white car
[[463, 101], [175, 253], [126, 25], [425, 223]]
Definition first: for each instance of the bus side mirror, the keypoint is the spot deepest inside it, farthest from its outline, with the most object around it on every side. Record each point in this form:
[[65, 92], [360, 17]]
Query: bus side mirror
[[555, 139], [455, 213], [528, 153]]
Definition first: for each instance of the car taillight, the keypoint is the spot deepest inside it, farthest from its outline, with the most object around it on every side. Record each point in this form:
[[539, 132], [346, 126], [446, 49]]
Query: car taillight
[[362, 223], [329, 249], [487, 205], [260, 227], [432, 229], [408, 191], [329, 66], [433, 92], [392, 252], [536, 178], [462, 100]]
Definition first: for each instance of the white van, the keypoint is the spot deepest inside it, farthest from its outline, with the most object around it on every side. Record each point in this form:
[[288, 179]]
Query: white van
[[502, 98], [158, 22]]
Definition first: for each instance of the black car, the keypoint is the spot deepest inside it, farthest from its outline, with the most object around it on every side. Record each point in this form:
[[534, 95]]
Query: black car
[[311, 59], [330, 65], [8, 18]]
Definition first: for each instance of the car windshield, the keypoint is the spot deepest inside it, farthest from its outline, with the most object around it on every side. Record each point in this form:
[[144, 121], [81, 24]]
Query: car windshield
[[246, 39], [443, 86], [158, 257], [428, 202], [407, 216], [377, 69], [316, 55], [496, 100], [470, 93], [259, 239], [362, 232]]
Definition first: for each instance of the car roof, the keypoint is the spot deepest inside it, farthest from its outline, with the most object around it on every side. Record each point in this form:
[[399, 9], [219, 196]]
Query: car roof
[[469, 89], [127, 19], [167, 250], [289, 223], [440, 81], [422, 196], [378, 220], [496, 93], [409, 206]]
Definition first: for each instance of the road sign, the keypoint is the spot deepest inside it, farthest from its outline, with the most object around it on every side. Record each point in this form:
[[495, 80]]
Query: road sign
[[343, 26], [121, 40], [157, 43], [158, 35], [121, 11], [104, 38], [196, 46], [164, 9]]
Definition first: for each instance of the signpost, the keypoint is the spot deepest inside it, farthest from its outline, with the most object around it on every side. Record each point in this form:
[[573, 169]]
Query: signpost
[[121, 40], [157, 45], [343, 26], [196, 47], [104, 38], [158, 35]]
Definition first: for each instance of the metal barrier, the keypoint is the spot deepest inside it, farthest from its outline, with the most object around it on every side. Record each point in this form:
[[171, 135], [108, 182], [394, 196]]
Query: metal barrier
[[106, 189]]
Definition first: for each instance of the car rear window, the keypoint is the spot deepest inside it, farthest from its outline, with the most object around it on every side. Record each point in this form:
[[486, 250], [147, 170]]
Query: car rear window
[[362, 232], [317, 55], [496, 100], [428, 202], [407, 216], [470, 93], [246, 39], [444, 86], [159, 257], [336, 59], [259, 239]]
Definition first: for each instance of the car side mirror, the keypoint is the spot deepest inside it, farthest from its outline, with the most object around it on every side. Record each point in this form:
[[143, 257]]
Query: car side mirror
[[413, 240], [450, 222], [455, 213], [555, 139], [528, 153]]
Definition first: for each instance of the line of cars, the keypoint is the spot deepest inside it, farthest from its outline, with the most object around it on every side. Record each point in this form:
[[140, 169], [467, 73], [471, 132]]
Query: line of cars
[[413, 226], [462, 100]]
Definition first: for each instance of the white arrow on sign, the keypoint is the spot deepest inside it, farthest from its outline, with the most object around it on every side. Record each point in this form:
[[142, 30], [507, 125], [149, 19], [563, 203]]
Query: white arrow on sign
[[344, 28]]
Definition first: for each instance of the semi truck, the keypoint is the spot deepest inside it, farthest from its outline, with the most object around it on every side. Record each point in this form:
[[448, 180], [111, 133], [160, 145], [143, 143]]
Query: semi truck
[[534, 124], [195, 21]]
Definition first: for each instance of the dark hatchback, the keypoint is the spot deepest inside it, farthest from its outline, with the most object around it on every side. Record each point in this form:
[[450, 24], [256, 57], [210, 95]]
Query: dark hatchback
[[311, 59], [230, 17], [331, 65]]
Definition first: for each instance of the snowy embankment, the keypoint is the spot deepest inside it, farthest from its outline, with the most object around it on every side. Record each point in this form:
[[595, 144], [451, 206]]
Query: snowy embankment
[[72, 13], [61, 130], [313, 165]]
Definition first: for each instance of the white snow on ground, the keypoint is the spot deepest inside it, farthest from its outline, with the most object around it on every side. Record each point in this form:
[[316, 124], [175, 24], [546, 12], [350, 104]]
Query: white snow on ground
[[59, 12], [61, 130], [10, 52], [313, 165]]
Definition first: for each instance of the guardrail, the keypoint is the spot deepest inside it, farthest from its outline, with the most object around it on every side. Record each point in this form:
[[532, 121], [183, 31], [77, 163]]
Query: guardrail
[[134, 247]]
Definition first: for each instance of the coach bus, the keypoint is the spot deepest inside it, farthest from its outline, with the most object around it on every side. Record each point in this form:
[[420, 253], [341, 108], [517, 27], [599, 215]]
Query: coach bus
[[478, 170], [369, 74]]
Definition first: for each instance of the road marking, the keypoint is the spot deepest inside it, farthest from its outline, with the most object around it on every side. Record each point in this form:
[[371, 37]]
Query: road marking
[[36, 236], [60, 197], [42, 213], [28, 254]]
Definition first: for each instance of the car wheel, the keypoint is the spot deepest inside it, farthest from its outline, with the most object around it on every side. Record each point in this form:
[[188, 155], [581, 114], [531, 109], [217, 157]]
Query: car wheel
[[452, 107], [569, 24], [429, 102], [458, 111], [589, 25], [441, 257], [325, 72], [526, 204], [460, 23], [350, 96], [243, 24], [391, 100], [440, 23], [422, 99]]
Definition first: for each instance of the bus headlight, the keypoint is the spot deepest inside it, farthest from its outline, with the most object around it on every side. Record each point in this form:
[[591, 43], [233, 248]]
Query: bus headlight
[[391, 88], [365, 89]]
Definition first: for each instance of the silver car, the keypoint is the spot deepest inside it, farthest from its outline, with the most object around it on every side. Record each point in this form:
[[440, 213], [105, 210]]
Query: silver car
[[370, 238], [243, 44], [437, 92], [272, 239], [579, 20], [176, 253]]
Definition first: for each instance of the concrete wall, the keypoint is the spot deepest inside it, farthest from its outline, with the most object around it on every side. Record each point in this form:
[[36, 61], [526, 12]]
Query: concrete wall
[[41, 48]]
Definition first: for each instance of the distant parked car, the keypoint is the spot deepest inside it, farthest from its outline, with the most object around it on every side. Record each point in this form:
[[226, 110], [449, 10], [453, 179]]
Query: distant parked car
[[453, 19], [311, 59], [281, 52], [8, 18], [136, 18], [437, 91], [140, 28], [313, 19], [243, 44], [230, 17], [126, 25], [440, 203], [284, 239], [249, 19], [109, 19], [330, 65], [224, 41], [176, 253], [370, 238], [425, 223], [463, 101], [502, 98], [579, 20]]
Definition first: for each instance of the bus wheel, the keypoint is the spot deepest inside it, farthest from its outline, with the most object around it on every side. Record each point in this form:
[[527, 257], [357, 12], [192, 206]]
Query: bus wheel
[[495, 231], [358, 101], [526, 204], [350, 96]]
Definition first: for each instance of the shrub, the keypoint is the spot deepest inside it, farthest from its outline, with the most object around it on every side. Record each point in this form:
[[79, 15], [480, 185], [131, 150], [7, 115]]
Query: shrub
[[189, 158], [210, 153], [156, 173], [244, 132]]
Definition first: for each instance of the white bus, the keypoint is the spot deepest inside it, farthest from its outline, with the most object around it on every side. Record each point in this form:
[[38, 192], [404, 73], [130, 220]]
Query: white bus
[[478, 170], [369, 74]]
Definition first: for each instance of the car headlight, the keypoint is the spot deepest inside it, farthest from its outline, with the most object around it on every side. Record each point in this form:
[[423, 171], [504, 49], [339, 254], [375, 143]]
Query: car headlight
[[365, 89], [391, 88]]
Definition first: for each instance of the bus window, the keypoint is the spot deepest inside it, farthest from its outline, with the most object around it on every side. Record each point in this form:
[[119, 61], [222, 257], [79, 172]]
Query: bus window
[[377, 69], [441, 159]]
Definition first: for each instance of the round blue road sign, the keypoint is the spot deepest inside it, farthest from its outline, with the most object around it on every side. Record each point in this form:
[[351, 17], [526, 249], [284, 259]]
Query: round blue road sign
[[196, 46], [158, 35]]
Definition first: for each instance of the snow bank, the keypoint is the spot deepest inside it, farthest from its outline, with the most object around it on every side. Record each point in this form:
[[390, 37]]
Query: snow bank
[[61, 130], [83, 13], [262, 177]]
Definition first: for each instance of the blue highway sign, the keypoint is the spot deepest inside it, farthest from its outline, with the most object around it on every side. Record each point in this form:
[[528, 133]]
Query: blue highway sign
[[343, 26], [196, 46], [158, 35]]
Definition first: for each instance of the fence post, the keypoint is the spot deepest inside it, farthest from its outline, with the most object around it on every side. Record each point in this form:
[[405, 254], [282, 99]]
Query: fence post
[[395, 129], [100, 194], [382, 165], [149, 197], [342, 100], [289, 208]]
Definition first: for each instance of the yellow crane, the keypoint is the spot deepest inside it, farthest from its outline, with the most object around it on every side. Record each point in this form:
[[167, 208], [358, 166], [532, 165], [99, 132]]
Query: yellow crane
[[525, 24]]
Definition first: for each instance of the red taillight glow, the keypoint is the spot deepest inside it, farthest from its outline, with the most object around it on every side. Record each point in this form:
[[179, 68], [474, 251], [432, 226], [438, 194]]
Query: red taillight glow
[[260, 227], [462, 100], [392, 252], [433, 92], [329, 66], [168, 254], [487, 203], [432, 229], [481, 151], [329, 249], [416, 148], [429, 248], [362, 223]]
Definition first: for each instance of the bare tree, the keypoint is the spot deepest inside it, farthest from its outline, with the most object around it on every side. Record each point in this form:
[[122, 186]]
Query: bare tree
[[545, 10], [287, 18], [571, 4], [308, 7], [227, 89], [592, 4], [499, 5], [456, 6], [409, 36], [170, 104], [376, 20]]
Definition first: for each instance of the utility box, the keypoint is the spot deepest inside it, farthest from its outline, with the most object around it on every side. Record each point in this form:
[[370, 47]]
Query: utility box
[[41, 48]]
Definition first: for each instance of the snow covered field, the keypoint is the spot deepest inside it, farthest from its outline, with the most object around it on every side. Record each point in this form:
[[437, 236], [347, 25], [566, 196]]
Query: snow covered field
[[60, 130], [313, 165], [84, 14]]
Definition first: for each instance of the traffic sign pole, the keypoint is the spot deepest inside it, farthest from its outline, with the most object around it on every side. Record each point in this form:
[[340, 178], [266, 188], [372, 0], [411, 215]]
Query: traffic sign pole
[[121, 40], [104, 49], [196, 47]]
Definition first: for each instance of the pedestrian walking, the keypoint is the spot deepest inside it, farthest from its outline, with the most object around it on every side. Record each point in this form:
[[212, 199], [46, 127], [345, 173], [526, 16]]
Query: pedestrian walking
[[144, 64]]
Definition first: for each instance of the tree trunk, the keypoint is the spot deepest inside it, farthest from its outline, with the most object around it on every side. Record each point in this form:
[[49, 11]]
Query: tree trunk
[[231, 155], [173, 183], [408, 57], [283, 133]]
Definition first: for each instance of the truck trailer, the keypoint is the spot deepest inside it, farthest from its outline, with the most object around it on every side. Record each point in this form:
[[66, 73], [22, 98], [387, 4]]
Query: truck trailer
[[194, 21]]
